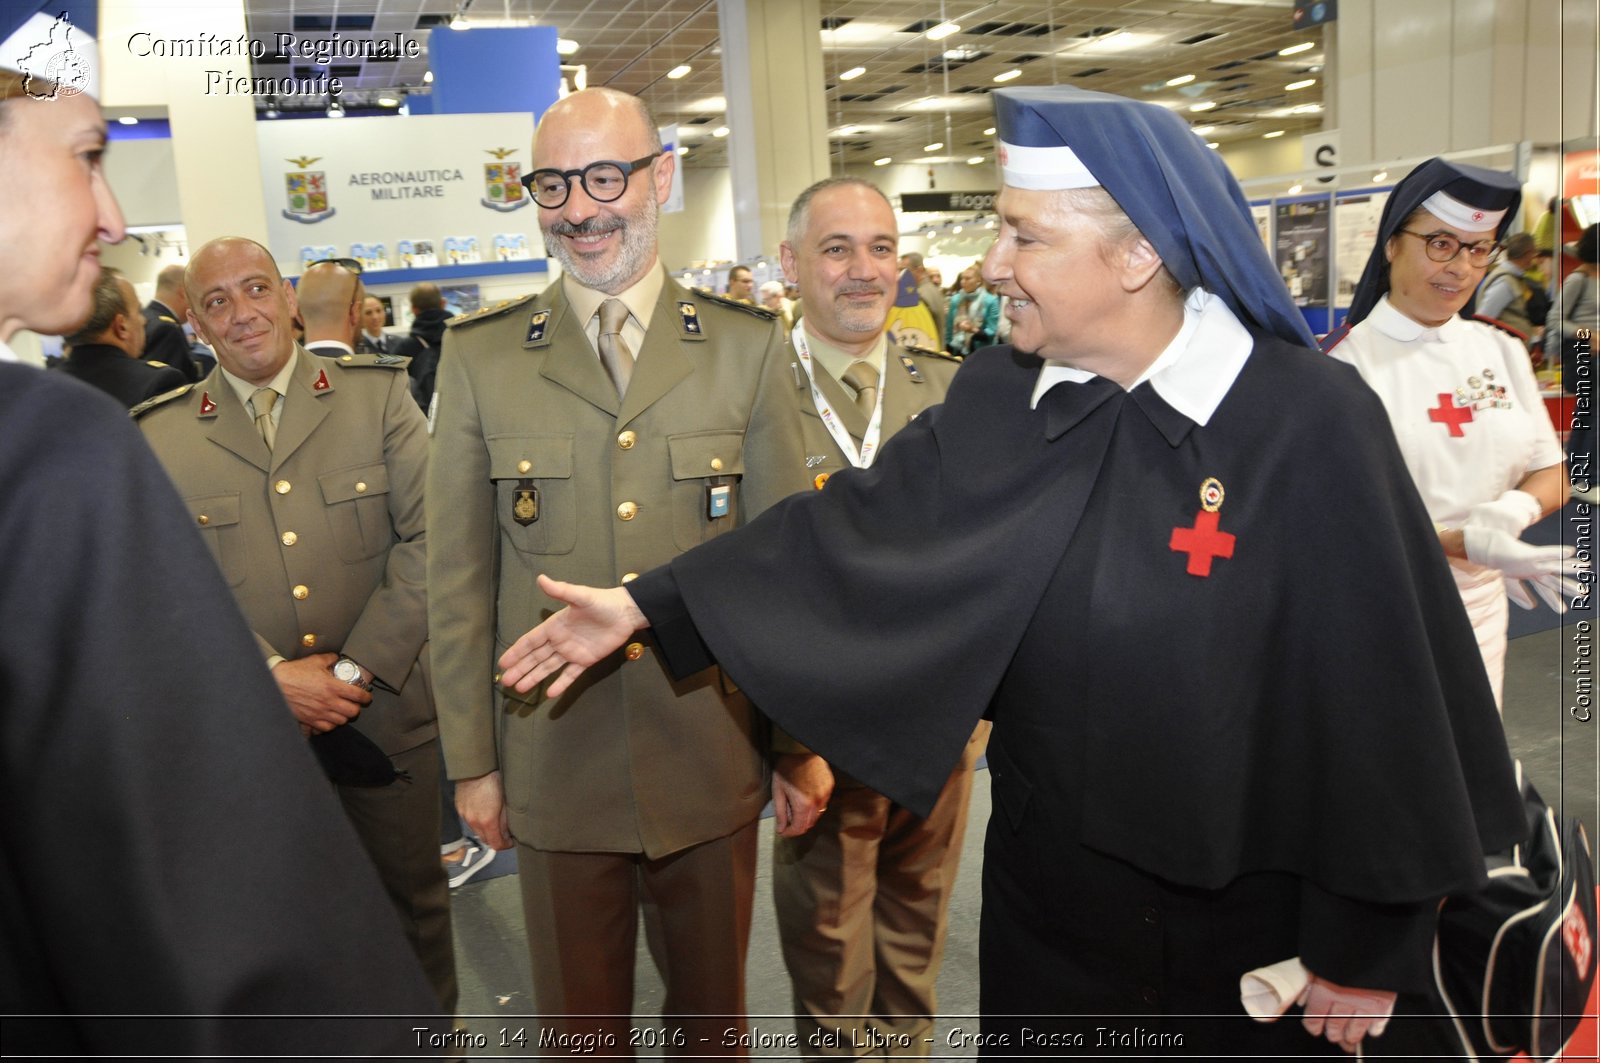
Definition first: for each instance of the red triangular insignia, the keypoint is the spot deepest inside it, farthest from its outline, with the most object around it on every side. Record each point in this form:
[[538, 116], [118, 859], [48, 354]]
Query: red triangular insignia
[[322, 381], [207, 407]]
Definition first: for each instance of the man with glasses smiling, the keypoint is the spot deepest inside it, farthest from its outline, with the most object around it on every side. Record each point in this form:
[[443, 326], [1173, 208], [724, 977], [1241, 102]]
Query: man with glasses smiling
[[591, 432]]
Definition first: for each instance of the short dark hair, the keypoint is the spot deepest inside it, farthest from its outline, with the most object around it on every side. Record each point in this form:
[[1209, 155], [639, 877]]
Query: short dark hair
[[1519, 244], [800, 212], [108, 303], [426, 296]]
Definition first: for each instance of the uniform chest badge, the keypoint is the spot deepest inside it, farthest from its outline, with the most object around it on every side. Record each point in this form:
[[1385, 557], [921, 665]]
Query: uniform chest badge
[[207, 407], [525, 504], [911, 368], [537, 325], [321, 383], [691, 318], [1204, 542], [820, 481]]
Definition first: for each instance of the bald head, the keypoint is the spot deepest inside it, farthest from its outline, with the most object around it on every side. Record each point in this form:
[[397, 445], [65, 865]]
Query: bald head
[[240, 304], [169, 289], [330, 303], [609, 110]]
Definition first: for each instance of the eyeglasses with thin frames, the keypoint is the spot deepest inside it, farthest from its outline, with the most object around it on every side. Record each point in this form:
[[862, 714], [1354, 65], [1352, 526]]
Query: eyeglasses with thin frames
[[604, 181], [1443, 247]]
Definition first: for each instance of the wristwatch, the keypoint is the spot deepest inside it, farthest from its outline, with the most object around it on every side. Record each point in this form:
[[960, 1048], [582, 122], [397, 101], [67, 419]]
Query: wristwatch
[[347, 671]]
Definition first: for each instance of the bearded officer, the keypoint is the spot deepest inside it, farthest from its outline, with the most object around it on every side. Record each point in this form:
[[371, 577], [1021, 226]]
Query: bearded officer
[[597, 429], [305, 475]]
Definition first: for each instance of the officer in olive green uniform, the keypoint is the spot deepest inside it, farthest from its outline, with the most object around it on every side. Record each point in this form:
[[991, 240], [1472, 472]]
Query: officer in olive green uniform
[[861, 885], [321, 538], [632, 790]]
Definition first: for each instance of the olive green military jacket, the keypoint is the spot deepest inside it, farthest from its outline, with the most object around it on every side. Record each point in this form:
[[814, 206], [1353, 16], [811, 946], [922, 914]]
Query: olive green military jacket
[[913, 381], [537, 467], [321, 539]]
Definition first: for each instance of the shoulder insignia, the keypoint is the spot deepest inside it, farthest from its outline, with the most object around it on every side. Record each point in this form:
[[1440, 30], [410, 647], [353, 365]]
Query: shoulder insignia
[[911, 369], [168, 320], [364, 361], [162, 399], [152, 363], [749, 308], [1331, 340], [484, 313]]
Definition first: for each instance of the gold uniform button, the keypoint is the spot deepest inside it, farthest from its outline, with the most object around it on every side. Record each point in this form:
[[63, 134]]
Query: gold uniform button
[[629, 577], [716, 464], [347, 358], [524, 465], [627, 511], [301, 591], [634, 651], [361, 487], [282, 487], [308, 640], [290, 538], [203, 519], [627, 439]]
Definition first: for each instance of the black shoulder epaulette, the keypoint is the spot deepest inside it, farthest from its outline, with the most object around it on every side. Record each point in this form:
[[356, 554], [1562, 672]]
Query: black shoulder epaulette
[[484, 313], [161, 399], [946, 355], [749, 308], [372, 361]]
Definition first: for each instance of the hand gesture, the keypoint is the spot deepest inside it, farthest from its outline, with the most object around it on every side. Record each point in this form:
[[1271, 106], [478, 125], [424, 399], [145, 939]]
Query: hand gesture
[[594, 625]]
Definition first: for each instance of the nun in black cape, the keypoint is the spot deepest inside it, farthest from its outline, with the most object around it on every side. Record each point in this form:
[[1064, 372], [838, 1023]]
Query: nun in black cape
[[1238, 712]]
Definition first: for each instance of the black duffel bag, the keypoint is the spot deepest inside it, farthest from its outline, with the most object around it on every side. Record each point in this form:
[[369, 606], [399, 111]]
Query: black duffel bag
[[1515, 962]]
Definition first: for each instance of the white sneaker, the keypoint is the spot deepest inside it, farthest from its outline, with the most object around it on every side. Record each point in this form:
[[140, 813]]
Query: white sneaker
[[476, 858]]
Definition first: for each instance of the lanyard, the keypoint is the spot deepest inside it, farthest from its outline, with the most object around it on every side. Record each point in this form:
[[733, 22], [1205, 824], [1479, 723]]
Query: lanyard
[[869, 442]]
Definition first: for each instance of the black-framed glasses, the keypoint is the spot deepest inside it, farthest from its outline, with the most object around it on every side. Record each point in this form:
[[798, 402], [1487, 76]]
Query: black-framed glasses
[[351, 264], [603, 181], [1442, 247]]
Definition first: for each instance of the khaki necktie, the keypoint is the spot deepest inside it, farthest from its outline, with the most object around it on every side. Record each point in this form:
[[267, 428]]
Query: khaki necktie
[[614, 353], [864, 378], [263, 401]]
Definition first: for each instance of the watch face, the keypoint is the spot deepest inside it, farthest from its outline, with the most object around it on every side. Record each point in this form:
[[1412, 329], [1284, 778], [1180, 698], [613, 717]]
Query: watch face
[[347, 671]]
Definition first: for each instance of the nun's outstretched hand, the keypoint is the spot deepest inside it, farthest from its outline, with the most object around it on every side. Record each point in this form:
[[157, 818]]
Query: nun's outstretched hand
[[594, 625]]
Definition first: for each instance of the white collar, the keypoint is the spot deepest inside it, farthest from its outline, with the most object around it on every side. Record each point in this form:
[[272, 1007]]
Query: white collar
[[7, 354], [1389, 320], [1196, 369], [322, 345]]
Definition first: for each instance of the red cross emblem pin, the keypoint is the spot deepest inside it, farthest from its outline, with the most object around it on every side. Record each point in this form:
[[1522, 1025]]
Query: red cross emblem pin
[[1204, 542], [1450, 415]]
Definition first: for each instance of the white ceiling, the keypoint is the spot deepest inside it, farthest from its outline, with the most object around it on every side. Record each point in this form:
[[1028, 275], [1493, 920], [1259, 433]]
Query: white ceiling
[[910, 95]]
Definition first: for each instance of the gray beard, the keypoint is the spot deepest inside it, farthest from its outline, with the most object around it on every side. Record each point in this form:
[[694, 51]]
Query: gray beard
[[635, 250]]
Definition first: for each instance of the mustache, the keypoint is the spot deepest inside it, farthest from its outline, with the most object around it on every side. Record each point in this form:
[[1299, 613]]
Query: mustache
[[588, 227], [862, 289]]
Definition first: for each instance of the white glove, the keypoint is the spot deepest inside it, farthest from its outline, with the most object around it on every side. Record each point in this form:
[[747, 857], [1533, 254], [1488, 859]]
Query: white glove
[[1511, 513], [1344, 1015], [1552, 571]]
